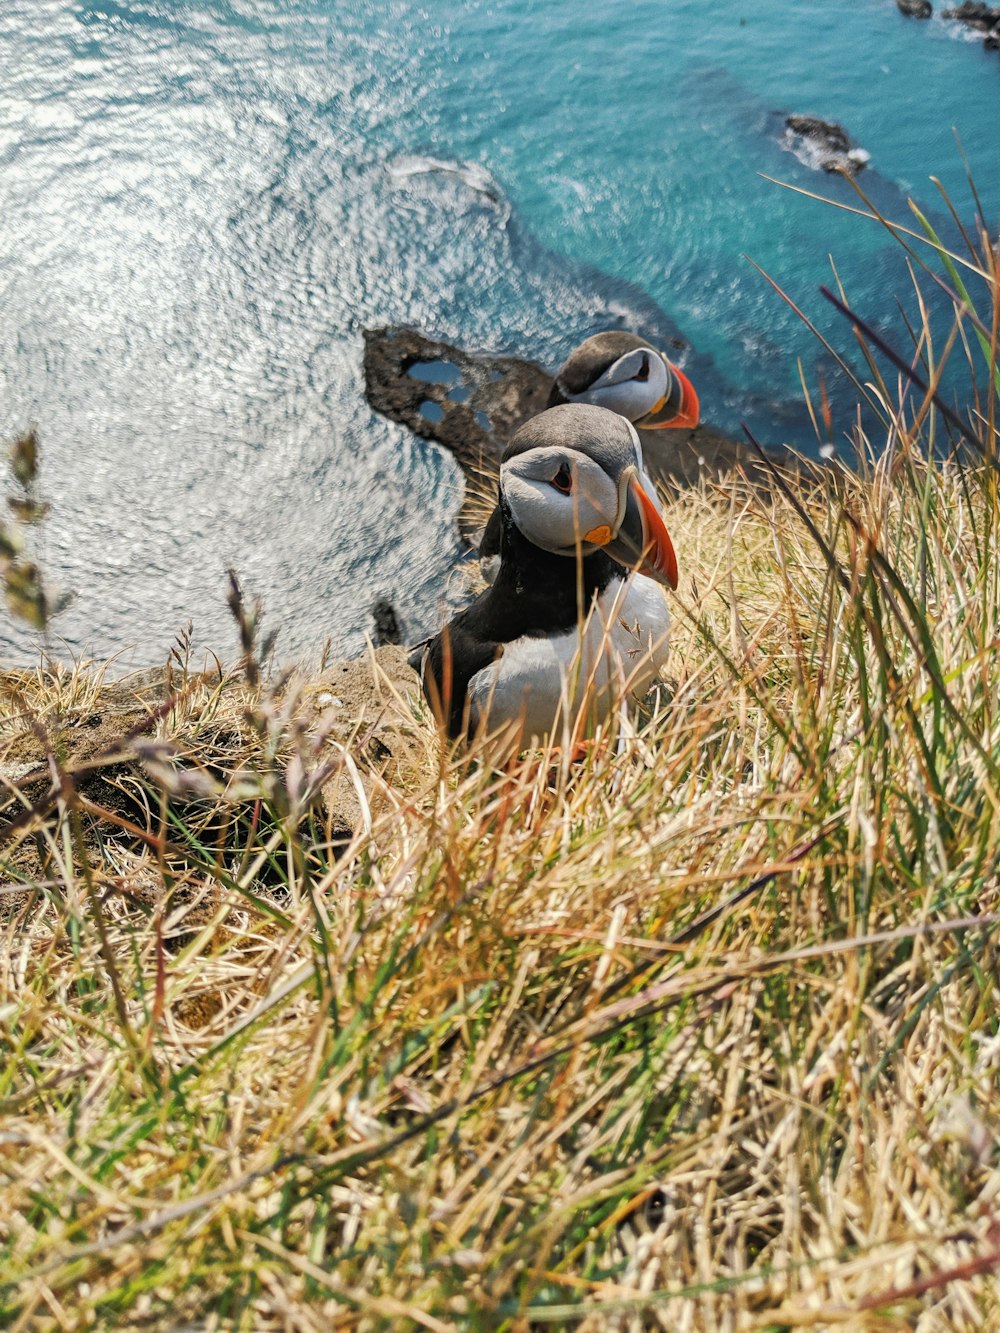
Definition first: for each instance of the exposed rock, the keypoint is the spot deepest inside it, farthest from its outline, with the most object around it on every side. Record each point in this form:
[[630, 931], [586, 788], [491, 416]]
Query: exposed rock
[[915, 9], [981, 18], [974, 15], [481, 399], [386, 628], [824, 132], [478, 401], [823, 145]]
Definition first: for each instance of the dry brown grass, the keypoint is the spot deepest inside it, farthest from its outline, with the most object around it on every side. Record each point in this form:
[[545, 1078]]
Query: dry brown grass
[[449, 1063]]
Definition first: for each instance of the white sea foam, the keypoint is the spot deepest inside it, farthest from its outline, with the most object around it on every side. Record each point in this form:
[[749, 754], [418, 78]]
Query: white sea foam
[[471, 174], [816, 155]]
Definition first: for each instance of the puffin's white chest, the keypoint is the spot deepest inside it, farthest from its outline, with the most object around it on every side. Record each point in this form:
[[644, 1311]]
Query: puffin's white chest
[[616, 655]]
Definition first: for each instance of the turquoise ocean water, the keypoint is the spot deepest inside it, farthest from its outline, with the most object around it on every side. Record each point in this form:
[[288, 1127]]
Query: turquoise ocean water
[[202, 204]]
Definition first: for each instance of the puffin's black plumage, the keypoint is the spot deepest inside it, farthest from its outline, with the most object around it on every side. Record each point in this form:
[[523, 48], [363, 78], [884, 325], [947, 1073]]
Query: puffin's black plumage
[[535, 594], [565, 629]]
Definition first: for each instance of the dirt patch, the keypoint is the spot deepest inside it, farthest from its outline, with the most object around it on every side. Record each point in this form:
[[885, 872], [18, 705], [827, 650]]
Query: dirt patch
[[365, 707]]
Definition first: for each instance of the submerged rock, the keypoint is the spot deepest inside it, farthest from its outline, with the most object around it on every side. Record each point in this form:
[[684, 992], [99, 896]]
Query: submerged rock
[[915, 9], [824, 145], [472, 404]]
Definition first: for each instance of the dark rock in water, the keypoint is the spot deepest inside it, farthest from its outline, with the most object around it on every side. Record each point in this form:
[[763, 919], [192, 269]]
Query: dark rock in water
[[823, 145], [470, 404], [480, 400], [826, 133], [915, 9], [974, 15], [983, 18], [387, 628]]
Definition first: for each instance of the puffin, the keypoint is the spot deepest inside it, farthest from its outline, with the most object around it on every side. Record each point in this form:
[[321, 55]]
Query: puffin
[[625, 374], [576, 618]]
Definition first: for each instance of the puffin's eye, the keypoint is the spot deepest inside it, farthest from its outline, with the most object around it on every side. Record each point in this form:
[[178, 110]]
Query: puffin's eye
[[563, 480], [643, 372]]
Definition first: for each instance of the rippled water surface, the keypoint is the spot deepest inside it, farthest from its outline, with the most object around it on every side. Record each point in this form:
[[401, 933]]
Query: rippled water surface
[[202, 204]]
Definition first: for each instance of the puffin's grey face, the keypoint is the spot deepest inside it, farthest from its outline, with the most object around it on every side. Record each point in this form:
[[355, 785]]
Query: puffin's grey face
[[558, 497], [571, 479], [631, 386], [639, 383]]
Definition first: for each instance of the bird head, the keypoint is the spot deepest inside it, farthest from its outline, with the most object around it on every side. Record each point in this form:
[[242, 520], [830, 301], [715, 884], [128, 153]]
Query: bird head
[[571, 480], [621, 372]]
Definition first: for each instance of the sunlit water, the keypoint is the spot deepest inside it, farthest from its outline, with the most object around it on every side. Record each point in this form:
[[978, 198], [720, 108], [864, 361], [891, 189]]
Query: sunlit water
[[203, 204]]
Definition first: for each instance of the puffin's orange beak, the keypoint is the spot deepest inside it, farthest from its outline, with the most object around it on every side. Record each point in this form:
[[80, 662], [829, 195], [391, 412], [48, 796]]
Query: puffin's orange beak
[[642, 543], [678, 410], [659, 560]]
